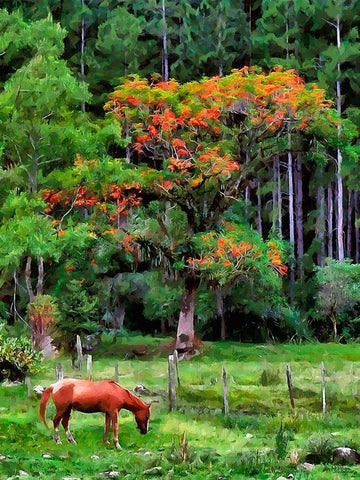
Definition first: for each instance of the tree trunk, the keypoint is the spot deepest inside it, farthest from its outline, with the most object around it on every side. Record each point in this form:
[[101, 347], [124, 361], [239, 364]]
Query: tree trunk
[[82, 50], [28, 279], [334, 323], [258, 213], [220, 312], [118, 320], [339, 184], [330, 213], [291, 220], [185, 336], [320, 223], [277, 211], [220, 43], [349, 224], [299, 214], [40, 282], [165, 51], [279, 197], [357, 236], [247, 188]]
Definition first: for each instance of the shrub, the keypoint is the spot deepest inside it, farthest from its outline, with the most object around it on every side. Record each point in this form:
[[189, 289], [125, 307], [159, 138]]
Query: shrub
[[270, 376], [17, 357], [320, 448], [282, 439]]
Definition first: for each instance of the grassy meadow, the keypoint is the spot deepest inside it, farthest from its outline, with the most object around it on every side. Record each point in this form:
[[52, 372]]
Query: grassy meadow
[[198, 441]]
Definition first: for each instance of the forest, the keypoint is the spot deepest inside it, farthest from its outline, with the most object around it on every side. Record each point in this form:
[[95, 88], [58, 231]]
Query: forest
[[180, 167]]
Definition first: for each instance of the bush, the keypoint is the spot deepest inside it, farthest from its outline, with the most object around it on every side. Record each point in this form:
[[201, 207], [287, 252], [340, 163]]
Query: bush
[[17, 357], [320, 448], [270, 376]]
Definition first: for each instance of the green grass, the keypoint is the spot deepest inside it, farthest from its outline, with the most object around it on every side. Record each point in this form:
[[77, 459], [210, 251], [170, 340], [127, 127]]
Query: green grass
[[218, 446]]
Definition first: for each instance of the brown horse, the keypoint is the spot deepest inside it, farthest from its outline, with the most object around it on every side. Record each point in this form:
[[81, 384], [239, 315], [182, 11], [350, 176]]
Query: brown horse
[[106, 396]]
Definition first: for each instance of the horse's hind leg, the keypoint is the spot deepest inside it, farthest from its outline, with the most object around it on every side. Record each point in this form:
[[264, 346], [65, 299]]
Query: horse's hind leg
[[56, 421], [107, 428], [65, 423]]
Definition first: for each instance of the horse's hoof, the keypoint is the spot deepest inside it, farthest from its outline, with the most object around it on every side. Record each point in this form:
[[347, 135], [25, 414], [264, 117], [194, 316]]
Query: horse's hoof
[[58, 442], [117, 445], [106, 442]]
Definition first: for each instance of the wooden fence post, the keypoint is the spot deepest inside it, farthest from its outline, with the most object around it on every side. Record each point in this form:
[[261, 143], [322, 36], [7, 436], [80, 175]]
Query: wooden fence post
[[290, 387], [59, 372], [172, 388], [226, 391], [116, 374], [79, 352], [28, 387], [176, 361], [323, 384], [89, 365]]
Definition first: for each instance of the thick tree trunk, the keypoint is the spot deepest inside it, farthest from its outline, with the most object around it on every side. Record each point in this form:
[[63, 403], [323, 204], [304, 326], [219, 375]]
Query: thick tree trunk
[[220, 312], [299, 214], [185, 336], [118, 320], [330, 213]]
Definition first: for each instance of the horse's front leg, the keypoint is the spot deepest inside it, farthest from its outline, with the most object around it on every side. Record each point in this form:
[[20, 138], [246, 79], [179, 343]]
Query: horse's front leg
[[107, 428], [114, 419]]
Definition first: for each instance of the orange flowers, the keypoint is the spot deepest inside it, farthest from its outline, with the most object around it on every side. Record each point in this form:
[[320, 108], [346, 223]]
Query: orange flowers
[[274, 255]]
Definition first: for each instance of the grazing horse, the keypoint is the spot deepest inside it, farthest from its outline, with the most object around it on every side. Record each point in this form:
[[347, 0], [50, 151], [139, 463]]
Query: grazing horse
[[88, 397]]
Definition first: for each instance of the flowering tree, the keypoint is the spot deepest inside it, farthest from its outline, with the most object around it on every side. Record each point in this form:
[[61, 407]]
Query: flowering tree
[[190, 148], [197, 141]]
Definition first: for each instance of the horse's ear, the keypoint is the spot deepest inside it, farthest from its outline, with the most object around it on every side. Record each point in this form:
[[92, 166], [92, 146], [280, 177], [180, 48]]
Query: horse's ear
[[149, 404]]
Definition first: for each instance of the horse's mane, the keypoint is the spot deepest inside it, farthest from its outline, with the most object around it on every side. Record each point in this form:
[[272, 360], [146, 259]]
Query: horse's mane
[[136, 401]]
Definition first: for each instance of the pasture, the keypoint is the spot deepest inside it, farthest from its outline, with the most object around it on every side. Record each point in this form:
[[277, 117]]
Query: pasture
[[197, 441]]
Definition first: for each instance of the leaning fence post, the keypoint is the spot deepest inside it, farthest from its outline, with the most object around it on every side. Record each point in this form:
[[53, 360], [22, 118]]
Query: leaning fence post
[[89, 365], [172, 388], [290, 387], [116, 374], [28, 387], [176, 361], [79, 352], [226, 391], [59, 372], [323, 384]]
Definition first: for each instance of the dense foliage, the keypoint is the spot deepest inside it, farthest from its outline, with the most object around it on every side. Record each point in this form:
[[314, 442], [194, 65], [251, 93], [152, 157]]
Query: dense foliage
[[152, 179], [17, 357]]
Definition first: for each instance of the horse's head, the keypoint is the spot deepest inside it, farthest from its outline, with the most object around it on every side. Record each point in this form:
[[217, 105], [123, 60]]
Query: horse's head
[[142, 419]]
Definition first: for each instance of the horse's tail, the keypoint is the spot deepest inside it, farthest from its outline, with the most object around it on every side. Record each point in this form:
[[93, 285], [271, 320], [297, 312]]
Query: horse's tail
[[44, 399]]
